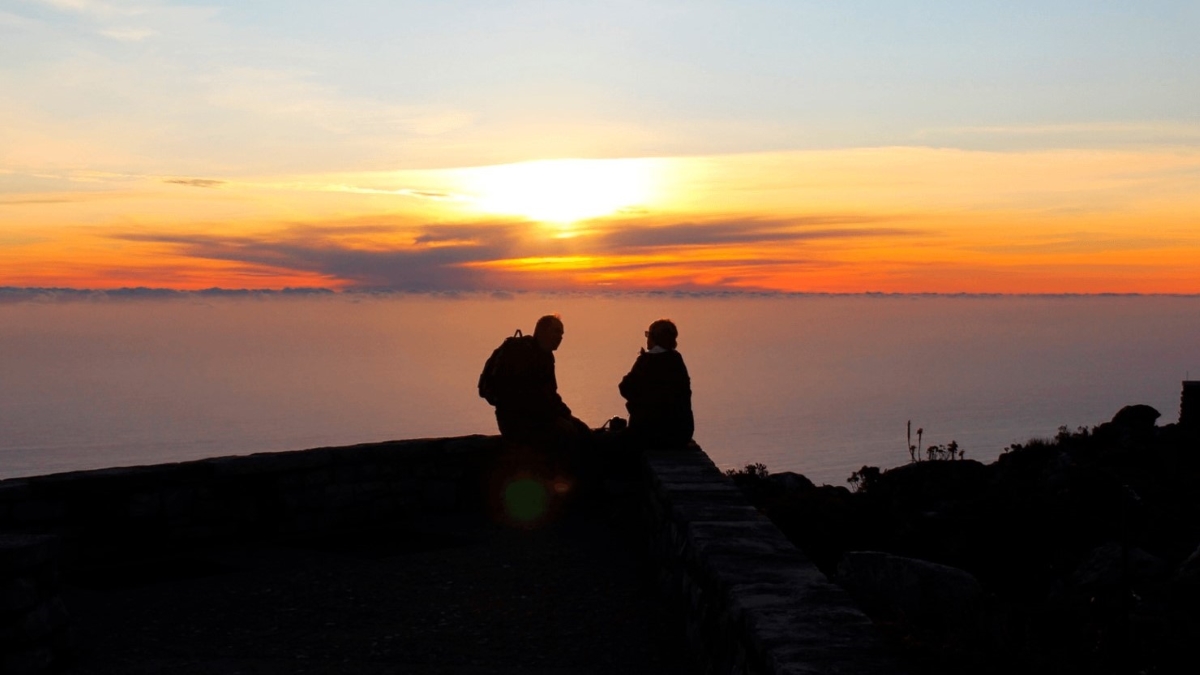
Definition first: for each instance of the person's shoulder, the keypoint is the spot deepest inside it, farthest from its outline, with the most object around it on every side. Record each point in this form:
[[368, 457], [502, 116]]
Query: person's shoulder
[[675, 361], [644, 357]]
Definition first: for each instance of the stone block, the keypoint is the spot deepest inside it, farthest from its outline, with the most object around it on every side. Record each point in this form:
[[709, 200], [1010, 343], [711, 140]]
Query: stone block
[[708, 488], [318, 477], [45, 618], [346, 473], [689, 473], [786, 595], [17, 594], [816, 639], [439, 495], [340, 493], [197, 532], [702, 511], [23, 554], [38, 512], [405, 485], [370, 489], [370, 471], [699, 461], [667, 499], [14, 490], [143, 506], [290, 481], [473, 445], [301, 460], [758, 535], [88, 484], [225, 468], [178, 502], [734, 566], [29, 660]]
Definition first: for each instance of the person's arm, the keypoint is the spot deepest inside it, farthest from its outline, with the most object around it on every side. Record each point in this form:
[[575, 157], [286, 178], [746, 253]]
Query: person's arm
[[551, 401], [631, 384]]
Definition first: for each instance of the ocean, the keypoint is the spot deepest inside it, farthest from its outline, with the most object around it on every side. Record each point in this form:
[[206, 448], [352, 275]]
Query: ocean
[[817, 384]]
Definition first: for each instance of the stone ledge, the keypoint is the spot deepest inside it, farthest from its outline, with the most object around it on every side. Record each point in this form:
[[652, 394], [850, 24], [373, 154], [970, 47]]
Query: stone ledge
[[753, 603]]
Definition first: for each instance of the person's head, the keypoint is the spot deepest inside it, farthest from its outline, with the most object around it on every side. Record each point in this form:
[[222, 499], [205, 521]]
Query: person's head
[[662, 333], [548, 332]]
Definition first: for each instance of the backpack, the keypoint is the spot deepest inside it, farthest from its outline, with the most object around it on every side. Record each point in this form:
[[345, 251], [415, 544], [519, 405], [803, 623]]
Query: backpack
[[491, 380]]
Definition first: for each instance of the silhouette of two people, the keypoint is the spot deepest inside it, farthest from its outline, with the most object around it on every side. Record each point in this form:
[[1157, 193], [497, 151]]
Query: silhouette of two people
[[519, 380]]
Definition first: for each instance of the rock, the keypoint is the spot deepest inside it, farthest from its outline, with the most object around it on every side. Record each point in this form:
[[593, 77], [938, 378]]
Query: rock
[[1131, 423], [926, 593], [1109, 564], [1188, 574], [922, 485], [790, 481], [1136, 417]]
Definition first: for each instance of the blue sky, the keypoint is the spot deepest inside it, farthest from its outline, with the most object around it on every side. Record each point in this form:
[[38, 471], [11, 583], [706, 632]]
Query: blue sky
[[605, 78]]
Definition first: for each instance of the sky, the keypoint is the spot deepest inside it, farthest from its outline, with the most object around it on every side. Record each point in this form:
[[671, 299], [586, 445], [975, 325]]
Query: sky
[[925, 146]]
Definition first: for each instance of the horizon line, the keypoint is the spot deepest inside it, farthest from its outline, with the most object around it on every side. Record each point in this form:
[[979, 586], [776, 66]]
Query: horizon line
[[150, 292]]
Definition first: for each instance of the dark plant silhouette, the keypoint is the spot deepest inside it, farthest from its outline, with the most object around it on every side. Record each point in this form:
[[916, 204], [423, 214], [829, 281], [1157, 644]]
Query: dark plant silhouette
[[944, 452], [757, 470], [948, 451], [864, 478]]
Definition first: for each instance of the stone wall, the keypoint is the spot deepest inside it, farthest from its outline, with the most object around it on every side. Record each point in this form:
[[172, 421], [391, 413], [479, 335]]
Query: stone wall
[[153, 510], [751, 601], [34, 628]]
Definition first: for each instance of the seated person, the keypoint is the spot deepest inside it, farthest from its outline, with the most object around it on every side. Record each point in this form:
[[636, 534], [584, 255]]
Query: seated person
[[658, 392], [520, 382]]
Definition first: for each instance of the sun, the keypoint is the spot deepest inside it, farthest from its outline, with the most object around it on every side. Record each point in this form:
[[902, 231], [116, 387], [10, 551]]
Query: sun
[[563, 191]]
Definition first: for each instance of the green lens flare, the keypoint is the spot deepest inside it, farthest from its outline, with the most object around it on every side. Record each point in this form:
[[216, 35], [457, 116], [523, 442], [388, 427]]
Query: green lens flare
[[525, 499]]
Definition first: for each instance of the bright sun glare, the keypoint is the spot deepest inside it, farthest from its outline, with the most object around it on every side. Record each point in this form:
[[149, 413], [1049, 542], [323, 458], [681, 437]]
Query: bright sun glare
[[563, 191]]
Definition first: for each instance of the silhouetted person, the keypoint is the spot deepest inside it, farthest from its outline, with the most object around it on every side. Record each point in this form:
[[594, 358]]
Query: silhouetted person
[[520, 382], [658, 392]]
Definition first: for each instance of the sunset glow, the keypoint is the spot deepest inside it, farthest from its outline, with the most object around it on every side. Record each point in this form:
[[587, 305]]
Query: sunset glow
[[562, 192], [600, 149]]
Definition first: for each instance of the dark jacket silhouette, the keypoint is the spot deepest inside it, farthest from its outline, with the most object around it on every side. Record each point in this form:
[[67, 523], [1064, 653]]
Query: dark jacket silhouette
[[526, 397], [658, 394]]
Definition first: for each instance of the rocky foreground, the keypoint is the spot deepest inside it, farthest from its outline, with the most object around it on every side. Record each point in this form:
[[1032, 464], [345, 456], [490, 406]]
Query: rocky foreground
[[1077, 554]]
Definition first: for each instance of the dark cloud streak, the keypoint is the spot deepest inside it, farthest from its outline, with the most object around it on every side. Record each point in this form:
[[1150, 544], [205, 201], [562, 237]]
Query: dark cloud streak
[[444, 256], [744, 231], [195, 182]]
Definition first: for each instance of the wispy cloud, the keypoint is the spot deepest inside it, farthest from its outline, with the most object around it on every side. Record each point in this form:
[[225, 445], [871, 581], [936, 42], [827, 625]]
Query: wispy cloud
[[1079, 135], [128, 34], [195, 182], [39, 200], [435, 195], [97, 7], [293, 95]]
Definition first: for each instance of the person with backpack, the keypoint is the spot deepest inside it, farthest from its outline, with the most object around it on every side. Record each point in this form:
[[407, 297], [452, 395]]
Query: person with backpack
[[518, 379], [658, 392]]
